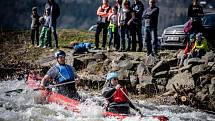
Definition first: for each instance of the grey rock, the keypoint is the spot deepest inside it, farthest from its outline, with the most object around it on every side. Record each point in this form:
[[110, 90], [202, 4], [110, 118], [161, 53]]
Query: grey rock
[[181, 79], [160, 66], [161, 74]]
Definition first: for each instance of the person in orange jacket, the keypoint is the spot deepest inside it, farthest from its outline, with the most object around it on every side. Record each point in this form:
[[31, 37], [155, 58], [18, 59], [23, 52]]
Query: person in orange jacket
[[102, 23]]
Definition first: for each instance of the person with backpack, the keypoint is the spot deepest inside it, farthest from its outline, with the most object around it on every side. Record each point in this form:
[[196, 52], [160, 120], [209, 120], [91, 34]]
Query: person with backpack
[[116, 95], [138, 9], [35, 24], [54, 13], [102, 24], [62, 73]]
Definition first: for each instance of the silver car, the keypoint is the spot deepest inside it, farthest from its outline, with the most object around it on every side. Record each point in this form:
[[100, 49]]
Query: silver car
[[174, 36]]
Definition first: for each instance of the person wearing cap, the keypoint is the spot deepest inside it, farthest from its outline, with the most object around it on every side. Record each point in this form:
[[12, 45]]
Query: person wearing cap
[[201, 46], [35, 24], [116, 95], [62, 73]]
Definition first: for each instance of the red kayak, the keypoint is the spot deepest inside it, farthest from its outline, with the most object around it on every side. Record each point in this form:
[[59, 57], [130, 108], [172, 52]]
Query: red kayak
[[73, 105]]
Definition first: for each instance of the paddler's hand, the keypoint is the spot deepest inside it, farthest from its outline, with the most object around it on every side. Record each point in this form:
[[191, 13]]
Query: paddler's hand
[[77, 80], [43, 87], [118, 86]]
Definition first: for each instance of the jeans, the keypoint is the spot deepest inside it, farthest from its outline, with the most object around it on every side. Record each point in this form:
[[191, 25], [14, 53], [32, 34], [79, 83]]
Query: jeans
[[35, 36], [151, 39], [113, 35], [101, 26], [125, 32], [54, 31], [136, 29]]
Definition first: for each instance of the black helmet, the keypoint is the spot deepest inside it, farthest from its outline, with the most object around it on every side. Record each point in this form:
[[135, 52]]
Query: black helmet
[[60, 53]]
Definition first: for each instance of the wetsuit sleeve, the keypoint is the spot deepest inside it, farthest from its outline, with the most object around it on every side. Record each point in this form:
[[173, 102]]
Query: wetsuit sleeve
[[52, 72], [107, 92]]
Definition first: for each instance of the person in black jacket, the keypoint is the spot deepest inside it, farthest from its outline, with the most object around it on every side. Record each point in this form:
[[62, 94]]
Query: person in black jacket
[[55, 13], [195, 13], [117, 96], [35, 24], [138, 9], [150, 16]]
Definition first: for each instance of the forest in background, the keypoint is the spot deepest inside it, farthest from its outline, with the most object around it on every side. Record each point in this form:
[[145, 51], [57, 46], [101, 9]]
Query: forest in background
[[81, 14]]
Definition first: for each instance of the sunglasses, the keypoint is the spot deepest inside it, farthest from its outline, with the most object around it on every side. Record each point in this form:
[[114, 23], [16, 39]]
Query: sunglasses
[[115, 79]]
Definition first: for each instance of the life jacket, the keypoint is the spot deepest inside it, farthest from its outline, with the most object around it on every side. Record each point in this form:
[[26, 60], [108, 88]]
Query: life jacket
[[65, 74], [103, 19], [119, 96]]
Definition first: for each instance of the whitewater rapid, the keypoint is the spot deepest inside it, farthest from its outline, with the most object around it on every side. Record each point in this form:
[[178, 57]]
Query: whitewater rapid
[[24, 106]]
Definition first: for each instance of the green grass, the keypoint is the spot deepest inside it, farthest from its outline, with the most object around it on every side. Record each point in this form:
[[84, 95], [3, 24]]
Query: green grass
[[15, 45], [66, 36]]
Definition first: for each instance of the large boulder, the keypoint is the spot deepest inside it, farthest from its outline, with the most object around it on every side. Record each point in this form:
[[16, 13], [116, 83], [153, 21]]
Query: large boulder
[[199, 69], [142, 70], [184, 80], [212, 86], [160, 66]]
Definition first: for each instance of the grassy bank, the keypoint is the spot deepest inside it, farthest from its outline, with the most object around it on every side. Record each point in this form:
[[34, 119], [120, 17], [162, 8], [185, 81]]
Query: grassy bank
[[16, 45]]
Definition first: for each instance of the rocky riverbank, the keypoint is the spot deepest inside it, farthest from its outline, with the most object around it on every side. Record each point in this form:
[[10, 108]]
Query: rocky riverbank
[[156, 79]]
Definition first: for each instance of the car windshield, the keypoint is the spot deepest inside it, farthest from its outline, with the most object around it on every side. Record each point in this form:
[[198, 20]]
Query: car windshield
[[209, 19]]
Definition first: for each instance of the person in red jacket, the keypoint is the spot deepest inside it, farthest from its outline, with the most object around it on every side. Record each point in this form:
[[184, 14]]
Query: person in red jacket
[[188, 51], [116, 95]]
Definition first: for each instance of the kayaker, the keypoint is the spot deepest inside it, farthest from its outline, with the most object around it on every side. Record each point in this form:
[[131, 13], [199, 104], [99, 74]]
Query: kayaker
[[62, 73], [113, 91]]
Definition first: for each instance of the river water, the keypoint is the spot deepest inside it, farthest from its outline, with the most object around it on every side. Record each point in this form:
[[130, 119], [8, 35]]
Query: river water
[[24, 106]]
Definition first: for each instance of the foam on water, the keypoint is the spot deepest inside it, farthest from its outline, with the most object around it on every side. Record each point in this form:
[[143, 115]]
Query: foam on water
[[22, 106]]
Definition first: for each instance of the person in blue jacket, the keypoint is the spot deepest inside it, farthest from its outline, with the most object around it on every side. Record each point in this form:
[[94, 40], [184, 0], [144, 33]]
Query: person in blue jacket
[[80, 47], [62, 73]]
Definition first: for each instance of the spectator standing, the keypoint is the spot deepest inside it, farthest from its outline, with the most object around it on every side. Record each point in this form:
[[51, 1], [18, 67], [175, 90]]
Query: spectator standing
[[45, 33], [102, 23], [35, 24], [150, 16], [113, 28], [126, 23], [195, 13], [138, 9], [54, 13]]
